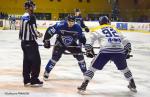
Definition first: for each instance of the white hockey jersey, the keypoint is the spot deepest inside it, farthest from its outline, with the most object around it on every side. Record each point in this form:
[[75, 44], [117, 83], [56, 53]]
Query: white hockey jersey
[[111, 40]]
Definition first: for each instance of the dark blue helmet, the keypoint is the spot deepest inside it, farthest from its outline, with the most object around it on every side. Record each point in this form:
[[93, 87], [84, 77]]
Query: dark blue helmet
[[103, 20], [29, 3], [71, 18]]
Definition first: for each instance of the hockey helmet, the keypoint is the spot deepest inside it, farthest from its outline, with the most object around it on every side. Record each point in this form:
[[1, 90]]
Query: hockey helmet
[[29, 3], [70, 18], [103, 20]]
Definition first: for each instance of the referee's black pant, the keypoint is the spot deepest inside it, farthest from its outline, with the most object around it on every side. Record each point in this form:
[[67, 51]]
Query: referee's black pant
[[31, 61]]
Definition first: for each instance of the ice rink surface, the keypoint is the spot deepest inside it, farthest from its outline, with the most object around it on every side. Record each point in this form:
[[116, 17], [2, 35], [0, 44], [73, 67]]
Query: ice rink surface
[[66, 76]]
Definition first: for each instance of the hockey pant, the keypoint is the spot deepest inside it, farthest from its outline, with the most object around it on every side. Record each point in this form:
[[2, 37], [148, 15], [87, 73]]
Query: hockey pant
[[57, 53], [102, 58]]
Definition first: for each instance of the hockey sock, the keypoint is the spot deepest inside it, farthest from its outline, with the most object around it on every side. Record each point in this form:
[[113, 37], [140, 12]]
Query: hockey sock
[[50, 65], [127, 73], [82, 65], [88, 75]]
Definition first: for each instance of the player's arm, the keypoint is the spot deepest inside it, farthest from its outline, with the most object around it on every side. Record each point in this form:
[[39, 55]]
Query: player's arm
[[48, 34], [89, 49], [127, 46], [90, 42], [34, 27], [84, 26], [82, 38], [93, 37]]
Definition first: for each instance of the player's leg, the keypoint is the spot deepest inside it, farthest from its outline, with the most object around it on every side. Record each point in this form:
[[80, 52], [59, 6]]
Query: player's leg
[[35, 67], [26, 65], [97, 64], [128, 75], [26, 71], [80, 58], [56, 55], [81, 63], [120, 61]]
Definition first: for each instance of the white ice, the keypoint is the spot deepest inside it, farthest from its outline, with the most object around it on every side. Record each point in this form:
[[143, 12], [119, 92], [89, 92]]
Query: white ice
[[66, 76]]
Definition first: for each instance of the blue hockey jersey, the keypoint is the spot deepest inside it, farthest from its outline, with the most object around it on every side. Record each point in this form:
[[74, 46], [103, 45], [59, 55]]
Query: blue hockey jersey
[[66, 35]]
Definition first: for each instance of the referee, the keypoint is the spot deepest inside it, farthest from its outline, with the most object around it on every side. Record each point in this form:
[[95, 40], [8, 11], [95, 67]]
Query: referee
[[31, 58]]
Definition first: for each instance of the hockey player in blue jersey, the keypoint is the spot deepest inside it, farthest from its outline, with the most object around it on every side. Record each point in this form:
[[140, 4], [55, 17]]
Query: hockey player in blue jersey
[[115, 47], [79, 20], [68, 33]]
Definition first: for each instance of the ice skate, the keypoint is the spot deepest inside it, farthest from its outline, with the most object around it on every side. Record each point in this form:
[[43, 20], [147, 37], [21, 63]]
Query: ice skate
[[132, 86], [82, 88], [45, 76]]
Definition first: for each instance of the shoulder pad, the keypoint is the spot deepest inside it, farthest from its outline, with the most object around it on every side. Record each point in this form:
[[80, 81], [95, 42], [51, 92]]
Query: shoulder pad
[[26, 16], [61, 23]]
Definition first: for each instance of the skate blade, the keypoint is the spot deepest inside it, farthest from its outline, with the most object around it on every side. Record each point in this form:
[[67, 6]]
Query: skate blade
[[37, 85], [27, 85], [82, 92], [45, 79], [133, 90]]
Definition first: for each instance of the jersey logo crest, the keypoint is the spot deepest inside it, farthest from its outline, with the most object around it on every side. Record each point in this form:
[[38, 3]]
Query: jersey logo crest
[[67, 40]]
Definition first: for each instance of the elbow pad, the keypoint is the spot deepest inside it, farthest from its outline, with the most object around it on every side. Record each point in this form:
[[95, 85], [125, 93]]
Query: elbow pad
[[49, 33]]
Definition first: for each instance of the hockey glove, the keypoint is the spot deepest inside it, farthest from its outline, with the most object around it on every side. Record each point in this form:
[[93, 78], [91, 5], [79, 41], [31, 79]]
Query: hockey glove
[[127, 54], [86, 29], [89, 51], [47, 44], [128, 49], [40, 34]]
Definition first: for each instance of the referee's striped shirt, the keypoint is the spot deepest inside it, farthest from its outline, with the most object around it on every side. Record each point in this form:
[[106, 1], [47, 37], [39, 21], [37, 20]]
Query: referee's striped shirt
[[28, 28]]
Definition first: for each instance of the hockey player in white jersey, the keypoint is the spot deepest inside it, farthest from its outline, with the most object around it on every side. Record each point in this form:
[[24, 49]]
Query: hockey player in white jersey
[[115, 47]]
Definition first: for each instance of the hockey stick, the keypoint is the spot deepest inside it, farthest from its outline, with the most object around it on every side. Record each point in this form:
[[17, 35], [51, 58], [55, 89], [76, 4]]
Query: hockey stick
[[68, 53], [69, 46], [82, 53], [56, 45]]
